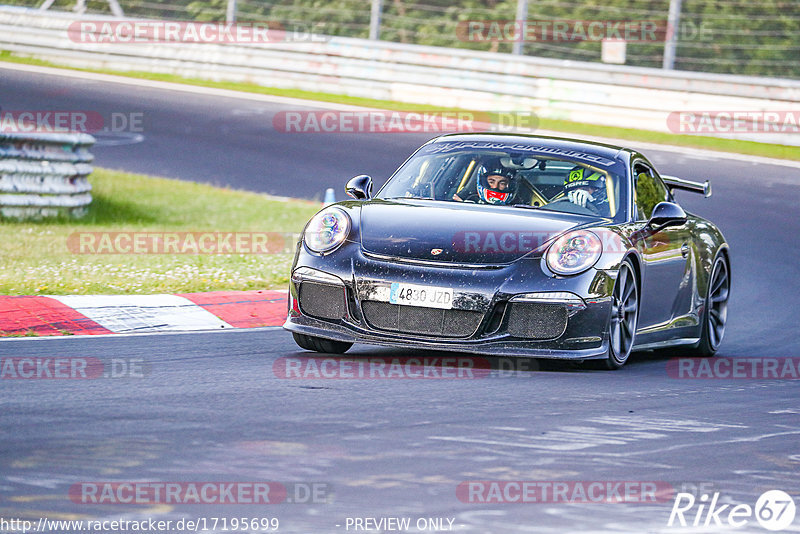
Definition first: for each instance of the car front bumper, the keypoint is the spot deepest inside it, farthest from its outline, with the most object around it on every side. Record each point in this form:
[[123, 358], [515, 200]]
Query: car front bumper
[[500, 300]]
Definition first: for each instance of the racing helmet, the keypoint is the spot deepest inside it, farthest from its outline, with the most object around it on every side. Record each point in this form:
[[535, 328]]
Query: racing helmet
[[496, 196], [582, 177]]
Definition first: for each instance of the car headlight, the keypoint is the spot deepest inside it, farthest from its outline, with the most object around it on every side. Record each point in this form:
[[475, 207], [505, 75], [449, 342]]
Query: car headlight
[[574, 252], [327, 230]]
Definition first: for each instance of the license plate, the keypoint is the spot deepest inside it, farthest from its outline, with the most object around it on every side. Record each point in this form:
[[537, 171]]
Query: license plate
[[425, 296]]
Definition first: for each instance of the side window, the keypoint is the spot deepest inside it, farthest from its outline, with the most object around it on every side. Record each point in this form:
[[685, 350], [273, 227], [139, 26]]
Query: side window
[[650, 190]]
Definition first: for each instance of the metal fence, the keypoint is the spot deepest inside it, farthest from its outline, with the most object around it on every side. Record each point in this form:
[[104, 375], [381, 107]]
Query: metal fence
[[723, 36], [44, 175], [612, 95]]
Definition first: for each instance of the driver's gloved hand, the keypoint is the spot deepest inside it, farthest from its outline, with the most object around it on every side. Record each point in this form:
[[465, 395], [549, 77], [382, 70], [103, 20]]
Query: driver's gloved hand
[[580, 197]]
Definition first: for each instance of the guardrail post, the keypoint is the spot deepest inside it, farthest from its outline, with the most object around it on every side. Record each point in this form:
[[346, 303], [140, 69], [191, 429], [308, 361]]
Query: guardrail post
[[230, 15], [673, 20], [375, 20], [115, 8], [522, 16]]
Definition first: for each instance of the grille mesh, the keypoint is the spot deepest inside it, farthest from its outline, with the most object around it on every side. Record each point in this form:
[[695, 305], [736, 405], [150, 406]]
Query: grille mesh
[[533, 320], [420, 320], [324, 301]]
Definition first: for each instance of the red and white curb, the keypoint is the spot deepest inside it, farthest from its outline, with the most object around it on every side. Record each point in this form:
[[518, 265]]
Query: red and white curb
[[126, 314]]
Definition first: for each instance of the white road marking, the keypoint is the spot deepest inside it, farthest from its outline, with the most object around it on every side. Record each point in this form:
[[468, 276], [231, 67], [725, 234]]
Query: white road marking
[[117, 139], [579, 437], [143, 313]]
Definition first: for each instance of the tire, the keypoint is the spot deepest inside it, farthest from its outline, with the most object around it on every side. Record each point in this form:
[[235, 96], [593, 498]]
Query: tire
[[715, 312], [624, 318], [318, 344]]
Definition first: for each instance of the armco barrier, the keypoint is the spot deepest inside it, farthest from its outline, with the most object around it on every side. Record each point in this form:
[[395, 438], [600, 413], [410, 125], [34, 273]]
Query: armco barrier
[[595, 93], [44, 174]]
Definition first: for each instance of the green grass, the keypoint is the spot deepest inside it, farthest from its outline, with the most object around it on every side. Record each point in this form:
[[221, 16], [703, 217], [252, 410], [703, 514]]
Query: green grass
[[568, 127], [27, 333], [35, 258]]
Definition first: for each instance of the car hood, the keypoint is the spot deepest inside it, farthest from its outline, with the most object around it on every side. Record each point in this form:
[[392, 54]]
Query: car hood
[[457, 233]]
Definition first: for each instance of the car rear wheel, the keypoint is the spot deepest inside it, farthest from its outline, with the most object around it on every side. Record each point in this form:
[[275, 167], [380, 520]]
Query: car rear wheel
[[715, 315], [318, 344], [624, 317]]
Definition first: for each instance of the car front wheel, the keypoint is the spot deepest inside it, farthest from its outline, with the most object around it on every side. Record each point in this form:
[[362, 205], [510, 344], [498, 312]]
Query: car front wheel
[[624, 317], [318, 344]]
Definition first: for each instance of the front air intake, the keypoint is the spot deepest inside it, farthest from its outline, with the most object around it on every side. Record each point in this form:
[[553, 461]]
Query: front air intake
[[536, 320], [421, 321], [324, 301]]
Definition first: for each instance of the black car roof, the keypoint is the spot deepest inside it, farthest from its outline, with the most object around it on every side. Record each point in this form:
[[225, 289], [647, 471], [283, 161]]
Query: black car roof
[[556, 146]]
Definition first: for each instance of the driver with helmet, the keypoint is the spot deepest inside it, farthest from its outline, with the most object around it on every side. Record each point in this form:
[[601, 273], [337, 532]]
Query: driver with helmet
[[496, 185], [587, 188]]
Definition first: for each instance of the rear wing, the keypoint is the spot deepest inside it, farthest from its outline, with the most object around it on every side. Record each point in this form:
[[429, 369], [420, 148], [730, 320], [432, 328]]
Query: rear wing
[[674, 182]]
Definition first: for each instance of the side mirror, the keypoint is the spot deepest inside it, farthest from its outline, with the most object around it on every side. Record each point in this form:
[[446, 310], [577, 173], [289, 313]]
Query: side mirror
[[359, 187], [667, 214]]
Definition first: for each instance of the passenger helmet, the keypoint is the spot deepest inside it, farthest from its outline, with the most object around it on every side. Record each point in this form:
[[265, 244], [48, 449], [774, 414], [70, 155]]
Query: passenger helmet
[[496, 196]]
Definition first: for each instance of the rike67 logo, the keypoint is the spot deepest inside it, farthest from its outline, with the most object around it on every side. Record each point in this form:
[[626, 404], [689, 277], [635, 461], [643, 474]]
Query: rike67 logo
[[774, 510]]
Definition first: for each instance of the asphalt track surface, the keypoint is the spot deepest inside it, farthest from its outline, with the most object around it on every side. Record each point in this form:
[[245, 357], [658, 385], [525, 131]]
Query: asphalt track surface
[[210, 407]]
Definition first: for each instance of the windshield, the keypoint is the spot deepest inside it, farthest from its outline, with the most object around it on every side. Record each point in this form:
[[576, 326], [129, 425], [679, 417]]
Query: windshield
[[508, 178]]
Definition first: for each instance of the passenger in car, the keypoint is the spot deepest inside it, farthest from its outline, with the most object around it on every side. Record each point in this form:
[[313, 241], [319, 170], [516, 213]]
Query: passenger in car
[[496, 185]]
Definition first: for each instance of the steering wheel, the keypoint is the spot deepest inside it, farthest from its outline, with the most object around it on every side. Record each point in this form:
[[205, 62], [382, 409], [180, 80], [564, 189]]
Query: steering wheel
[[590, 207]]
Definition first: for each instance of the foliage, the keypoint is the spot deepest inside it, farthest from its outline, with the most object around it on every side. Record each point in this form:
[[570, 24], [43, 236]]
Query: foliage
[[723, 36]]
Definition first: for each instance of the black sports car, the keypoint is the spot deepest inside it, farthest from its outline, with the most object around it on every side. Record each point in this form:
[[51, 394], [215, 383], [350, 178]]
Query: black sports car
[[513, 245]]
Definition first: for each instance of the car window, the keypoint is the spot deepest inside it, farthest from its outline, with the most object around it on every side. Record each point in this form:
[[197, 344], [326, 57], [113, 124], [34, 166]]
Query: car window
[[649, 190], [530, 179]]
